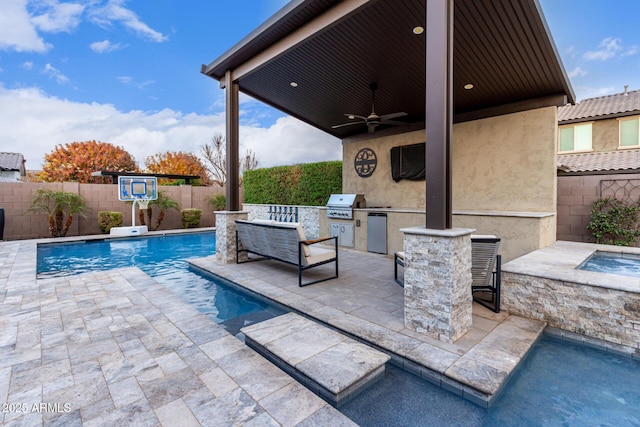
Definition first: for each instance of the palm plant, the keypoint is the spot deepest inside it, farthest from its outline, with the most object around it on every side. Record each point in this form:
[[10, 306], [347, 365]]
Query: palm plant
[[163, 203], [57, 204], [217, 203]]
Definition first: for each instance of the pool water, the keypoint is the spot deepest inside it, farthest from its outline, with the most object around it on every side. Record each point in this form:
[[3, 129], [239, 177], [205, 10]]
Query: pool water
[[164, 259], [608, 262], [559, 384]]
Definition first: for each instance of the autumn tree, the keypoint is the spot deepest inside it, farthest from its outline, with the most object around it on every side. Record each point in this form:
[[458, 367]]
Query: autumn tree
[[77, 160], [177, 163], [215, 155]]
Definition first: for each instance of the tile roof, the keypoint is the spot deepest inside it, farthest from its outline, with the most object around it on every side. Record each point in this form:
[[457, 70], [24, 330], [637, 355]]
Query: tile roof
[[598, 162], [7, 179], [11, 162], [619, 104]]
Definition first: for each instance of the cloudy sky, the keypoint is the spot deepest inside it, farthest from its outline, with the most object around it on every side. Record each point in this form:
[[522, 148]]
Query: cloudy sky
[[128, 73]]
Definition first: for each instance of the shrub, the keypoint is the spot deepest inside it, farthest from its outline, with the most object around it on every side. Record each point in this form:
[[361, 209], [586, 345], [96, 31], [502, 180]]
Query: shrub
[[614, 222], [109, 219], [191, 218], [308, 184], [217, 202]]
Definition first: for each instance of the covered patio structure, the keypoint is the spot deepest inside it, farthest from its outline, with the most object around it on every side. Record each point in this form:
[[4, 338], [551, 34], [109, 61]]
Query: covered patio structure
[[477, 81]]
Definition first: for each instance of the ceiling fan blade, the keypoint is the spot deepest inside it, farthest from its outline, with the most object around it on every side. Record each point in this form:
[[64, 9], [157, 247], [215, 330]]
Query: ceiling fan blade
[[392, 116], [393, 122], [355, 116], [346, 124]]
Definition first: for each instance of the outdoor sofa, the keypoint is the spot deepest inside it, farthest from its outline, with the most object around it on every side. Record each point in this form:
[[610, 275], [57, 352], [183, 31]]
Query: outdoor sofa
[[285, 242]]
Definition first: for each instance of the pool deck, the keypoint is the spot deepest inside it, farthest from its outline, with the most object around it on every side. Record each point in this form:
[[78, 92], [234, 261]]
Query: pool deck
[[116, 348]]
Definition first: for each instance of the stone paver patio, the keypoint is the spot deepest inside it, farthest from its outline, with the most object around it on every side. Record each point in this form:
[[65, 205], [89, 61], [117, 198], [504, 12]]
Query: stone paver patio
[[116, 348]]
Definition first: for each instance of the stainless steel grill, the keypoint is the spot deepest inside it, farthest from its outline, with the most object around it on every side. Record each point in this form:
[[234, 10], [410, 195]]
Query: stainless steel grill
[[341, 206]]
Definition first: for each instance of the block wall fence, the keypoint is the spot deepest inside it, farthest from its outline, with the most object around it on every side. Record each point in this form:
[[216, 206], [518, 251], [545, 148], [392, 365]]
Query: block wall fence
[[576, 195], [16, 198]]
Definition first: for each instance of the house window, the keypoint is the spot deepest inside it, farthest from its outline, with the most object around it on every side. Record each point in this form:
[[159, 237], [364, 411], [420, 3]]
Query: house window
[[629, 132], [575, 138]]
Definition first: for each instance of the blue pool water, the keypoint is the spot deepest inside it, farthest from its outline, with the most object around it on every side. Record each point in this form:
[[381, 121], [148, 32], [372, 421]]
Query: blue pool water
[[608, 262], [164, 259], [559, 384]]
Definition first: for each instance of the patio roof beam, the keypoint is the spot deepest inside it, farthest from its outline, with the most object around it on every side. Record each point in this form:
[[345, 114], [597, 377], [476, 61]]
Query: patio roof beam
[[232, 104], [312, 29], [439, 113]]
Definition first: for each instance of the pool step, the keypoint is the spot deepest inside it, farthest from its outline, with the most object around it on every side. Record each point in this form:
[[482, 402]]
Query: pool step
[[330, 364]]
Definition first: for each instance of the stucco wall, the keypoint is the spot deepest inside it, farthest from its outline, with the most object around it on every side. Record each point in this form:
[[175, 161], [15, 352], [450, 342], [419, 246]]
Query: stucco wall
[[605, 135], [504, 163], [504, 180]]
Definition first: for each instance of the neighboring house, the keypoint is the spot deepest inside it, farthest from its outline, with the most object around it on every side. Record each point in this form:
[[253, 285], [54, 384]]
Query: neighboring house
[[12, 167], [598, 156]]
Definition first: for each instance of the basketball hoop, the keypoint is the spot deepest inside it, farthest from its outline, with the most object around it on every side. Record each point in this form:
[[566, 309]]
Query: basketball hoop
[[143, 203]]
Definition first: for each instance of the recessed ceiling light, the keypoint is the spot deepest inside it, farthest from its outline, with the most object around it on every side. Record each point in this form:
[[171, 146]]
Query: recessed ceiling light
[[351, 116], [468, 86], [294, 84], [418, 30]]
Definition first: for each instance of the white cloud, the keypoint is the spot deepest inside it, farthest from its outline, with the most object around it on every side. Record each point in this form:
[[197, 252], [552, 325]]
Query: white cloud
[[27, 65], [130, 81], [608, 48], [58, 17], [114, 11], [105, 46], [17, 32], [22, 20], [577, 72], [53, 72], [144, 134], [586, 92]]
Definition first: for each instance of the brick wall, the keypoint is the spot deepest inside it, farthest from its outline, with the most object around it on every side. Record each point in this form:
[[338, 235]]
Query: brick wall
[[15, 199], [576, 195]]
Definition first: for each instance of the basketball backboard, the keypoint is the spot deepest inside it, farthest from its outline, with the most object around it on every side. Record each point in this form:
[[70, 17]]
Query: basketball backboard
[[137, 187]]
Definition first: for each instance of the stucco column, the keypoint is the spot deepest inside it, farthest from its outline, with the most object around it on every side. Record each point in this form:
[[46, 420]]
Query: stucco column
[[437, 282], [226, 235]]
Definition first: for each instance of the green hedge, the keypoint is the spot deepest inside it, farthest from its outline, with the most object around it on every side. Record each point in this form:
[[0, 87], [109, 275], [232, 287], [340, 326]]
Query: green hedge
[[308, 184]]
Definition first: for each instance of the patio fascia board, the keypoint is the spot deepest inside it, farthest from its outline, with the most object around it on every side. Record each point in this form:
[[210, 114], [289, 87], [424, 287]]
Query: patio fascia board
[[318, 25], [556, 100]]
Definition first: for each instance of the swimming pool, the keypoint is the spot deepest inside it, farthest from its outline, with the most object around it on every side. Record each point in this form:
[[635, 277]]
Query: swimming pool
[[616, 263], [162, 257], [559, 383]]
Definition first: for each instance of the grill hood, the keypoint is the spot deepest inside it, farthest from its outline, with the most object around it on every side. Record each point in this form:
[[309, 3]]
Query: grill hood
[[349, 201]]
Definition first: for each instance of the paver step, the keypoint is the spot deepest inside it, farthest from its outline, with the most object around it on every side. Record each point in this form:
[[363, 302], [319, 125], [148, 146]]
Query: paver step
[[330, 364]]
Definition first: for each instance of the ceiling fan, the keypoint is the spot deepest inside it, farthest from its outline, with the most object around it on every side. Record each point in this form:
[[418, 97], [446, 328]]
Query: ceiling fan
[[373, 120]]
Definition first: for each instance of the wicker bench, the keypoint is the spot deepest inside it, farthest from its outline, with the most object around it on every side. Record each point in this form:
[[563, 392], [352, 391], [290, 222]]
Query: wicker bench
[[285, 242]]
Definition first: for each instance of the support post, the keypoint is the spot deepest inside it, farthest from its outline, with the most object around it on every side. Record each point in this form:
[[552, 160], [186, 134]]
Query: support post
[[226, 236], [439, 113], [232, 104], [437, 282]]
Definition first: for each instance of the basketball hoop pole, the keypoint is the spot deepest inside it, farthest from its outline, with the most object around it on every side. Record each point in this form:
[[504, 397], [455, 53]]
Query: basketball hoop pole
[[133, 212]]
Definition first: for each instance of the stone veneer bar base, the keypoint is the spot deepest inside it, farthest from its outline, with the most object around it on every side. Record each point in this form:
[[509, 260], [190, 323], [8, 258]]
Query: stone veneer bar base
[[226, 236], [333, 366], [437, 282]]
